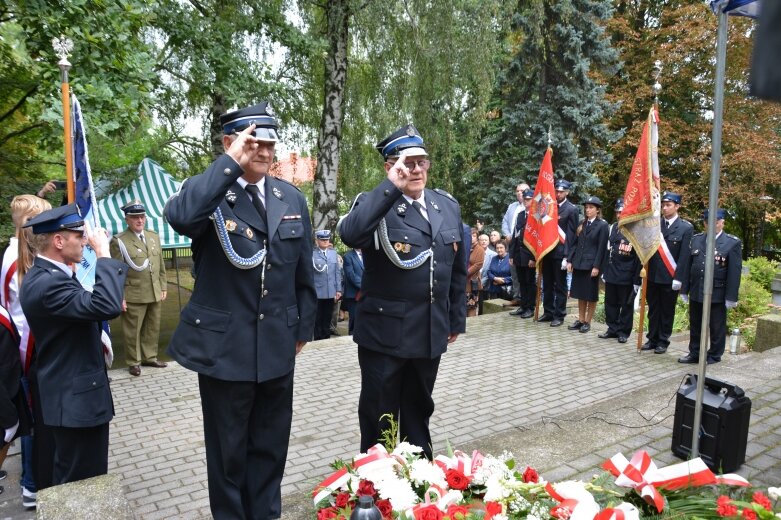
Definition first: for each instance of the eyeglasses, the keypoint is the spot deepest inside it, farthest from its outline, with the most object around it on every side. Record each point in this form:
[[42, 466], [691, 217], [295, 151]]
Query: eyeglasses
[[421, 163]]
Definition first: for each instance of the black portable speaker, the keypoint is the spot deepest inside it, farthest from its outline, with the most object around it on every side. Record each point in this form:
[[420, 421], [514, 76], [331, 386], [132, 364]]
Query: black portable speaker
[[726, 412]]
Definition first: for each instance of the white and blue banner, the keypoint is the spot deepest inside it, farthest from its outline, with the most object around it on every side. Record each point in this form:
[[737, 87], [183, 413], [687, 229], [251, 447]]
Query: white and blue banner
[[748, 8]]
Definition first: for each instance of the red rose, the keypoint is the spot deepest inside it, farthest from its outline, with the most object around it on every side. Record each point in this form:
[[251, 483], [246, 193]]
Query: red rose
[[327, 513], [366, 487], [342, 499], [491, 509], [430, 512], [531, 475], [456, 479], [762, 499], [385, 508], [725, 507], [749, 514], [456, 512]]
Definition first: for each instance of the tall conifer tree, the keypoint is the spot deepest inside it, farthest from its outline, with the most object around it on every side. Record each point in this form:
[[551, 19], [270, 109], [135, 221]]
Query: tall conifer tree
[[558, 53]]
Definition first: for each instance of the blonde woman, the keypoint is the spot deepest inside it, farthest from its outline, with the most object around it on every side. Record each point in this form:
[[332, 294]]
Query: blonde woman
[[17, 260]]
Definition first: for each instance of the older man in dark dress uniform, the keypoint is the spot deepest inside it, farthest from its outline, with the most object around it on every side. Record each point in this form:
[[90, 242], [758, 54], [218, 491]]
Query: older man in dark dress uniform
[[74, 395], [667, 270], [554, 265], [251, 311], [621, 273], [524, 262], [726, 285], [412, 292]]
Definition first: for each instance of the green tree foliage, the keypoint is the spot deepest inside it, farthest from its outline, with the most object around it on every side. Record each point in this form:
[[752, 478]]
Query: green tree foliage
[[558, 53]]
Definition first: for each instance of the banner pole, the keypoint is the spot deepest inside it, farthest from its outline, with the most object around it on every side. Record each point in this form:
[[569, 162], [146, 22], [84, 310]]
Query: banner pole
[[644, 288], [62, 47], [539, 290]]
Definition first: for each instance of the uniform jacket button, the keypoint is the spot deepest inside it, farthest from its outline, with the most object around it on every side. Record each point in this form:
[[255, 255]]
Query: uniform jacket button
[[434, 243], [260, 317], [227, 171], [386, 192], [380, 309], [198, 321], [265, 292]]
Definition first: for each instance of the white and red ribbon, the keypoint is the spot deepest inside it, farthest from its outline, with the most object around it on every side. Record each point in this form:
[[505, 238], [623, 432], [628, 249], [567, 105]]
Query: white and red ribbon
[[667, 257], [339, 478], [562, 236], [460, 461], [642, 474]]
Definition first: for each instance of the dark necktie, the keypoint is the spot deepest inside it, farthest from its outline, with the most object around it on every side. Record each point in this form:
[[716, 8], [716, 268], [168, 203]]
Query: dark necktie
[[419, 208], [74, 276], [254, 192]]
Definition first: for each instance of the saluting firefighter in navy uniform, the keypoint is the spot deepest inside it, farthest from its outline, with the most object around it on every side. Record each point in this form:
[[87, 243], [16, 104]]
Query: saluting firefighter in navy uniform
[[726, 285], [621, 273], [412, 301], [251, 311], [663, 287], [554, 265], [328, 282], [524, 261]]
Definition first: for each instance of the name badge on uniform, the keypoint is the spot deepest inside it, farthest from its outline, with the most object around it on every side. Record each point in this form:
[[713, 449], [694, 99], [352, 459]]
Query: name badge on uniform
[[402, 248], [230, 225]]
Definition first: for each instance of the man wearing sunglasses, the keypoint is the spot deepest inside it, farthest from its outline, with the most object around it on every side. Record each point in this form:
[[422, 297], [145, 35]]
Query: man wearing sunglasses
[[412, 303], [251, 311], [74, 396]]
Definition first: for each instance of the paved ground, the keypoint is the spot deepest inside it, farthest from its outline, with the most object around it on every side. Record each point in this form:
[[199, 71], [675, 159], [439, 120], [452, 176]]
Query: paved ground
[[560, 401]]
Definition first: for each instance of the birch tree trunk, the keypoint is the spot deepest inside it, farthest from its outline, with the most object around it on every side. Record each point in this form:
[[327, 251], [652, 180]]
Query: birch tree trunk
[[324, 207]]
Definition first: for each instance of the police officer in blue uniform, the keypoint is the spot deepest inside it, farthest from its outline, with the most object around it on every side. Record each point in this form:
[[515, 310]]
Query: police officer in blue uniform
[[554, 265], [726, 285], [413, 303], [621, 273], [353, 273], [328, 282], [74, 398], [251, 311], [667, 270], [524, 262]]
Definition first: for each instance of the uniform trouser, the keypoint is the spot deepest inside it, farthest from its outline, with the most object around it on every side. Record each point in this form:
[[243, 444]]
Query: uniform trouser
[[400, 387], [619, 308], [141, 330], [527, 286], [246, 426], [554, 288], [325, 308], [79, 453], [516, 285], [661, 313], [717, 329], [348, 304]]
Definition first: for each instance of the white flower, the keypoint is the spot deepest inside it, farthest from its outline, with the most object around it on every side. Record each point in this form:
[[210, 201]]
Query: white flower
[[453, 496], [423, 471], [774, 492], [404, 448], [398, 491], [500, 517], [495, 490]]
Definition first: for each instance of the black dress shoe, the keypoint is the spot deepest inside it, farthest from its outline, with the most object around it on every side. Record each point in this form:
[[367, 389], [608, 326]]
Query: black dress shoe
[[555, 323], [660, 350], [527, 314], [712, 361], [607, 334], [647, 346], [586, 327], [622, 339], [516, 312], [545, 317], [576, 325], [688, 360]]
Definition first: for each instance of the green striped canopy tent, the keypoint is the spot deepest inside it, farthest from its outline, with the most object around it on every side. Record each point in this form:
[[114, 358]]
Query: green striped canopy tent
[[153, 187]]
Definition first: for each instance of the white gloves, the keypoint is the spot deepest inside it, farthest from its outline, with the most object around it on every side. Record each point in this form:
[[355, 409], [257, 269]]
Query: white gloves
[[730, 305], [684, 298], [637, 288], [563, 264], [10, 432], [676, 285]]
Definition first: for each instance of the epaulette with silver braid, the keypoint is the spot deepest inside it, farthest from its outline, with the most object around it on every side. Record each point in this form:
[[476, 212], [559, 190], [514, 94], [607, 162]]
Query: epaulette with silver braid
[[233, 257]]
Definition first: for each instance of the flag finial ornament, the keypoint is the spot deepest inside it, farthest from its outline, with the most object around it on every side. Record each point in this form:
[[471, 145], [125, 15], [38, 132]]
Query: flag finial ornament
[[657, 88], [550, 136], [62, 48]]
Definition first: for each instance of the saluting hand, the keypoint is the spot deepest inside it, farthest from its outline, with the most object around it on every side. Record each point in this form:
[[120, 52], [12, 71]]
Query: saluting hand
[[98, 240], [244, 147], [398, 174]]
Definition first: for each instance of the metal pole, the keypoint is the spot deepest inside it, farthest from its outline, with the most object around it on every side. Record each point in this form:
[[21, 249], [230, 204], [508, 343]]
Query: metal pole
[[713, 204], [62, 47]]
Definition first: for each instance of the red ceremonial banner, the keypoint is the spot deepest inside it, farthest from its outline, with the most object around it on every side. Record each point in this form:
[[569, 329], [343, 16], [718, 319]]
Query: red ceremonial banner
[[639, 221], [541, 234]]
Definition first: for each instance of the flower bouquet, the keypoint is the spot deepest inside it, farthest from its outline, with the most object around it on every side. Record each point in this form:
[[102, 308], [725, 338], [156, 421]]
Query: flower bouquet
[[407, 486]]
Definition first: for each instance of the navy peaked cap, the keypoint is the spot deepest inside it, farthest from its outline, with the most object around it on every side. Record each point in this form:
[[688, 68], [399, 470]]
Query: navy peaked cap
[[721, 214], [593, 200], [323, 234], [57, 219], [669, 196], [561, 184], [261, 115], [406, 139], [619, 204], [528, 194]]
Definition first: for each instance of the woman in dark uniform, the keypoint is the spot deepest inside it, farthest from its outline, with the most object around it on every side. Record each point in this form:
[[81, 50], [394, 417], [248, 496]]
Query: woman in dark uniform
[[584, 262]]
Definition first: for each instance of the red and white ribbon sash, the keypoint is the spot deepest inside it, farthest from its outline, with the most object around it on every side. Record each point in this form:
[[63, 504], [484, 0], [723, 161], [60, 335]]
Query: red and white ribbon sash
[[562, 236], [667, 257], [340, 477], [460, 461], [642, 474]]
